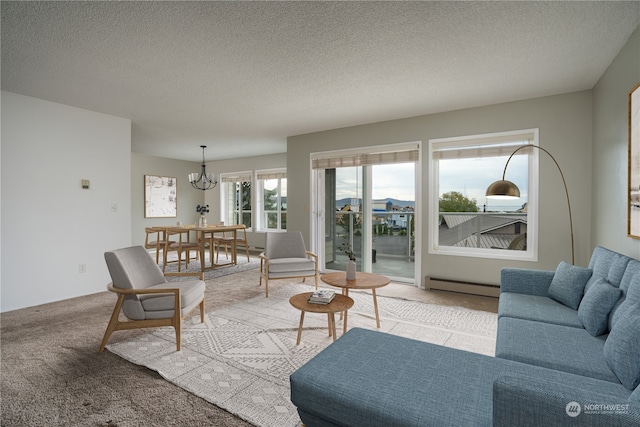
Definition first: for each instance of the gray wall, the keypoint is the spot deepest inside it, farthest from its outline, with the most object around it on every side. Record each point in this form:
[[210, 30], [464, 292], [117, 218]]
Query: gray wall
[[50, 225], [610, 150], [188, 197], [565, 130], [255, 238]]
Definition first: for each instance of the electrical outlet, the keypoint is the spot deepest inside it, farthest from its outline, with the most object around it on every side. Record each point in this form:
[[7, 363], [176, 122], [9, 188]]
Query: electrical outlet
[[82, 268]]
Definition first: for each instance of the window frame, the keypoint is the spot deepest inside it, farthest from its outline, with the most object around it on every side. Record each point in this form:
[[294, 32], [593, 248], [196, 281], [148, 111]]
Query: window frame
[[531, 254], [261, 223]]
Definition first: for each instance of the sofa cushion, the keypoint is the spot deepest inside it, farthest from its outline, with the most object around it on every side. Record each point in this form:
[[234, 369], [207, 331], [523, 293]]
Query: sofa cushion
[[607, 264], [567, 285], [555, 347], [631, 297], [539, 308], [376, 379], [359, 381], [622, 348], [596, 305]]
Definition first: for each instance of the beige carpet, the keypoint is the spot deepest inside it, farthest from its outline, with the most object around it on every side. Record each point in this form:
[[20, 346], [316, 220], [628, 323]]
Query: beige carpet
[[240, 359]]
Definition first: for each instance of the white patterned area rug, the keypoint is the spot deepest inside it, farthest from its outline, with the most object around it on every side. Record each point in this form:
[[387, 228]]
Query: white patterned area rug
[[240, 359], [223, 269]]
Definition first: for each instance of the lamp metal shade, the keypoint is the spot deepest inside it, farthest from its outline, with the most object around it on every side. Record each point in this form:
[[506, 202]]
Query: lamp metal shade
[[503, 190]]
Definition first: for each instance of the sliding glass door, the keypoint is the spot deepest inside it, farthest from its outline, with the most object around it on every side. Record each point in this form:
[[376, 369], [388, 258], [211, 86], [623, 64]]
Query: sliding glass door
[[366, 202]]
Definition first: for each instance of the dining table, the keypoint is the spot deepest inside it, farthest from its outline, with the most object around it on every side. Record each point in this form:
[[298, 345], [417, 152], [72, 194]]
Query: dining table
[[204, 236]]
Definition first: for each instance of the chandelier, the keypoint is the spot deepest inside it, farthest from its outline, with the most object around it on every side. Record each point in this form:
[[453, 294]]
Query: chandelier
[[203, 181]]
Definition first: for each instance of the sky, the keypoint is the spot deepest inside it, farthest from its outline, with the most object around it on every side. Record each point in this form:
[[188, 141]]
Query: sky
[[470, 177], [394, 180]]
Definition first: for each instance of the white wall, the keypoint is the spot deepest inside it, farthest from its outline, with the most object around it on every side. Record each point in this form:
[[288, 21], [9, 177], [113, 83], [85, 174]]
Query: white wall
[[565, 130], [610, 150], [50, 224]]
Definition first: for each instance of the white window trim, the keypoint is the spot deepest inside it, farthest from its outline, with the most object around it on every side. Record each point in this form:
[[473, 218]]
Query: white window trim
[[531, 254]]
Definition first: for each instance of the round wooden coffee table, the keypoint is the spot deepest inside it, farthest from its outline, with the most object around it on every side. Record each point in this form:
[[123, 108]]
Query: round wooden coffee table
[[363, 281], [340, 303]]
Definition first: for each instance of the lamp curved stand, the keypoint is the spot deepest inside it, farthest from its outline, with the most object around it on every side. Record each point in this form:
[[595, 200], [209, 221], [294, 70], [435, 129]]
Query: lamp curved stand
[[563, 182]]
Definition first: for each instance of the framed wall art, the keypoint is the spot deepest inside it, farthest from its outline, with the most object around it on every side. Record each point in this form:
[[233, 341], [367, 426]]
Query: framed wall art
[[160, 196], [633, 202]]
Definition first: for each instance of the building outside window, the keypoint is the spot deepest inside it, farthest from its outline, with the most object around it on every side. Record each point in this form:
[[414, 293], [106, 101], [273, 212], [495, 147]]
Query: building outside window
[[463, 221]]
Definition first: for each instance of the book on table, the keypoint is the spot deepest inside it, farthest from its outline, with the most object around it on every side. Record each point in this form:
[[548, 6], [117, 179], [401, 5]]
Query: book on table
[[322, 296]]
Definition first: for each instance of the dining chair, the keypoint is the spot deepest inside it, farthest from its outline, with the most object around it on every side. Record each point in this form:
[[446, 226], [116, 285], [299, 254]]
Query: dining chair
[[145, 297], [155, 239], [227, 243], [207, 238], [182, 244]]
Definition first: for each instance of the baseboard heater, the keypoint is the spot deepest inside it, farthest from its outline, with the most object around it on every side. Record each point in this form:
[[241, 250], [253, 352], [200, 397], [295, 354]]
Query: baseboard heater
[[432, 283]]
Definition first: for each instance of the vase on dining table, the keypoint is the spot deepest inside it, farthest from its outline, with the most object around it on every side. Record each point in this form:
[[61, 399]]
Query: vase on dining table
[[203, 221]]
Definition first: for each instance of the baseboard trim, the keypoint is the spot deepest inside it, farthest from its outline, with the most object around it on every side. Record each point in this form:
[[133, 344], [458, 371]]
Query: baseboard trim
[[432, 283]]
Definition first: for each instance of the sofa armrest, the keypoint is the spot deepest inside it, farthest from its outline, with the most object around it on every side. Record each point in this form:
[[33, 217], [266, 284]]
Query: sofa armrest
[[525, 281], [520, 400]]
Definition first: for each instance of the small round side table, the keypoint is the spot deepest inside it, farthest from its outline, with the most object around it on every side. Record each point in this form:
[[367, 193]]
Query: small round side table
[[340, 303]]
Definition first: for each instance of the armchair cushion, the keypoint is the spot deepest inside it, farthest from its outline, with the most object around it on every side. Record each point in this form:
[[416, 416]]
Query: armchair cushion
[[285, 245], [290, 265], [567, 285], [596, 305], [158, 306], [133, 268]]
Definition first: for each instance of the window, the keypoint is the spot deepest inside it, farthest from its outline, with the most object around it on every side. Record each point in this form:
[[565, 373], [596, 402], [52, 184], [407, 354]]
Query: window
[[462, 220], [272, 194], [236, 198]]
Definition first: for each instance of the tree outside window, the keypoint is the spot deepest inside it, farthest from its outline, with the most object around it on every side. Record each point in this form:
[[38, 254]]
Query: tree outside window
[[274, 200]]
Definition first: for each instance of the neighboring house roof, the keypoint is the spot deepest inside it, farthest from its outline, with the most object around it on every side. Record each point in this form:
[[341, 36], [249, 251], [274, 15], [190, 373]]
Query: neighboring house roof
[[487, 241], [460, 227]]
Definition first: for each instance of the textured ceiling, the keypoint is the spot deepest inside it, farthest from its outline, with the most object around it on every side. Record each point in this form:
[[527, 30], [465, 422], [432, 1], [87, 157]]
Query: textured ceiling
[[242, 76]]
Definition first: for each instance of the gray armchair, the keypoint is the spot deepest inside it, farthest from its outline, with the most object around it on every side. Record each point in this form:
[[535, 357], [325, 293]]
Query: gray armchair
[[285, 257], [146, 298]]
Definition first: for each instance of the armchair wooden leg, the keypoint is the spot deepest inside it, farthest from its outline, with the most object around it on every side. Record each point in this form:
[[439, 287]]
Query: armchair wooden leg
[[178, 336], [202, 311], [113, 322], [177, 321]]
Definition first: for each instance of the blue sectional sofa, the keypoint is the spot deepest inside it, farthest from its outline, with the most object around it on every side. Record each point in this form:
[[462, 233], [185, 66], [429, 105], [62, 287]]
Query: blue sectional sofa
[[567, 353]]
